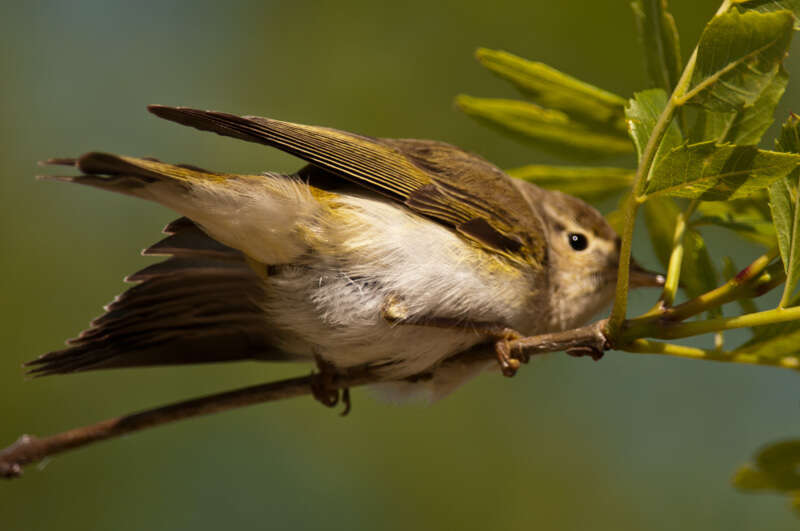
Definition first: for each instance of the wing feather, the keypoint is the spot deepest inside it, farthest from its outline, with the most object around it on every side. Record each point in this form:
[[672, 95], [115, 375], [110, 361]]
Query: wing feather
[[434, 179]]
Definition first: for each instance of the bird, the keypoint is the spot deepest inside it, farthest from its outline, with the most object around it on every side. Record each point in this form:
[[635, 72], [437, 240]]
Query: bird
[[389, 254]]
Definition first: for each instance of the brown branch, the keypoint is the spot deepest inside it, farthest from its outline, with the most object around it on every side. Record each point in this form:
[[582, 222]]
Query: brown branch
[[28, 449]]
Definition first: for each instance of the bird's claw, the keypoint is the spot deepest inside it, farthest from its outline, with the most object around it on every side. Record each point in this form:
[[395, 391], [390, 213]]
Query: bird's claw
[[509, 364], [324, 389], [593, 352]]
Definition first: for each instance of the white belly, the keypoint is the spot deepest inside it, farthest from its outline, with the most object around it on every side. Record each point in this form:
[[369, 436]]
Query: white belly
[[330, 304]]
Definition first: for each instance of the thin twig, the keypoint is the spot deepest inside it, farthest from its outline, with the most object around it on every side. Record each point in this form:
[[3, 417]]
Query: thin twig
[[646, 346], [29, 449]]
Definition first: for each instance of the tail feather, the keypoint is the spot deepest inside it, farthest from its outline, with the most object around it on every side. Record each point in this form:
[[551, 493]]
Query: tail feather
[[256, 214], [192, 242], [200, 306]]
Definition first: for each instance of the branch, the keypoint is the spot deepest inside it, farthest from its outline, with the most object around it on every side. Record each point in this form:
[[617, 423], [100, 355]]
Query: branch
[[28, 449], [619, 310]]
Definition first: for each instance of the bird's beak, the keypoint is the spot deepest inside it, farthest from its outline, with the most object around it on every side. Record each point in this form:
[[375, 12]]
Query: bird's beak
[[642, 278]]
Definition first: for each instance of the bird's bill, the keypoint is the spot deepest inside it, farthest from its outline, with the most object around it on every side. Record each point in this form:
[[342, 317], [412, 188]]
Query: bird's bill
[[642, 278]]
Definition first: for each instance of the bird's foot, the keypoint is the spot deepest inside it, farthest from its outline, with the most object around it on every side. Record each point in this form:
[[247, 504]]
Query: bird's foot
[[508, 364], [323, 386], [593, 352]]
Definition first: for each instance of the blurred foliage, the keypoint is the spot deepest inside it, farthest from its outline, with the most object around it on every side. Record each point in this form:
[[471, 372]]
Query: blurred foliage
[[591, 183], [570, 445], [776, 468]]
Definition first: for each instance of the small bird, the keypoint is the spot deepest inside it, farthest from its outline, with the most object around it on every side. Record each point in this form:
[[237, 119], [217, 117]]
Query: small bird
[[391, 254]]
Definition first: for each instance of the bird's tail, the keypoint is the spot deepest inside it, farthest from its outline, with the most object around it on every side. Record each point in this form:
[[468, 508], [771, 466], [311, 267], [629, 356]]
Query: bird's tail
[[200, 305], [260, 215]]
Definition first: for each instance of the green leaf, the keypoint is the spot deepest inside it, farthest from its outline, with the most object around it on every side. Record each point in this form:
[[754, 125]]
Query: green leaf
[[642, 114], [550, 129], [737, 58], [789, 139], [717, 172], [776, 467], [749, 218], [698, 274], [590, 183], [745, 126], [659, 216], [784, 201], [767, 6], [551, 88], [658, 35]]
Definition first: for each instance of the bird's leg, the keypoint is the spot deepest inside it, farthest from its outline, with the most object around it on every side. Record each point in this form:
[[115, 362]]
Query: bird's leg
[[395, 312], [323, 388]]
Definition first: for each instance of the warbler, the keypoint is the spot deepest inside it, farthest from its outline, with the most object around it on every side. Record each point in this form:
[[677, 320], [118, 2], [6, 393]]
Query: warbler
[[391, 254]]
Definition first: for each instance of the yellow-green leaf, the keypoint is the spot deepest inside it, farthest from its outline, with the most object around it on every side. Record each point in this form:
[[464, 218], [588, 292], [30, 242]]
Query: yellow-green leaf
[[784, 201], [766, 6], [553, 89], [587, 182], [776, 467], [749, 218], [550, 129], [737, 58], [744, 126], [642, 113], [658, 35], [717, 172]]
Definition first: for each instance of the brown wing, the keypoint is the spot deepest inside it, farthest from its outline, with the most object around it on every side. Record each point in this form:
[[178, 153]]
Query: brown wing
[[431, 178]]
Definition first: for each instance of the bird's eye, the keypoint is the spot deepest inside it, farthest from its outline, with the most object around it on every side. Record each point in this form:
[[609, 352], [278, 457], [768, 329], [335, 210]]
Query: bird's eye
[[577, 241]]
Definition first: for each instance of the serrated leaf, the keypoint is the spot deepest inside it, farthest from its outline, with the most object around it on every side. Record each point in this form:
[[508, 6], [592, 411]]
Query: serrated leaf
[[784, 201], [714, 172], [766, 6], [550, 129], [698, 274], [659, 37], [553, 89], [642, 113], [737, 58], [749, 218], [590, 183], [776, 467], [745, 126]]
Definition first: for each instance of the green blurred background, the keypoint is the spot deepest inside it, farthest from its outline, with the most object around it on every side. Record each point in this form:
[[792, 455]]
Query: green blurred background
[[632, 442]]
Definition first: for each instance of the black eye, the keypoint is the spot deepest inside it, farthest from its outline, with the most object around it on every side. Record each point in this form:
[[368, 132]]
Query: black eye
[[577, 241]]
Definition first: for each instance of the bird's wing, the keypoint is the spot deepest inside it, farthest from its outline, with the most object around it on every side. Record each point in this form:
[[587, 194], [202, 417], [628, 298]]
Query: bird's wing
[[434, 179]]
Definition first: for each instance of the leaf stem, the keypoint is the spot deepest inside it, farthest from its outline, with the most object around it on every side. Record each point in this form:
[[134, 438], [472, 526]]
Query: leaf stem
[[665, 330], [620, 307], [752, 280], [644, 346], [619, 310], [676, 257]]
